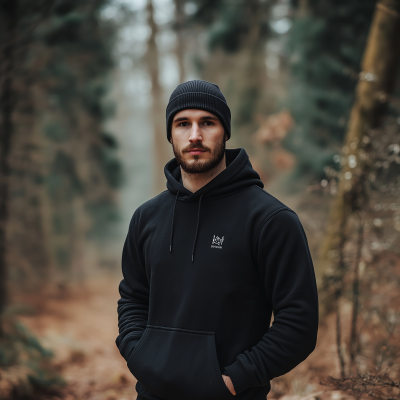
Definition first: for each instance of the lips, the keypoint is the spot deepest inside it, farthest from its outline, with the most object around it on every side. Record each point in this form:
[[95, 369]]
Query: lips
[[195, 151]]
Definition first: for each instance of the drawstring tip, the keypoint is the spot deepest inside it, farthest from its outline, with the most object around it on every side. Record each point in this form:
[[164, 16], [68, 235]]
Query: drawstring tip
[[170, 248], [192, 257]]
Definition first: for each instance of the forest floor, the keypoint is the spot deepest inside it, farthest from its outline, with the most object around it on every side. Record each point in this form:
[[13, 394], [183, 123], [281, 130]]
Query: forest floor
[[81, 327]]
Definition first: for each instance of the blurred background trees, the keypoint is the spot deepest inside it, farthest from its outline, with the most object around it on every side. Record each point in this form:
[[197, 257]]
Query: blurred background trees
[[327, 41], [352, 209], [58, 170], [83, 89]]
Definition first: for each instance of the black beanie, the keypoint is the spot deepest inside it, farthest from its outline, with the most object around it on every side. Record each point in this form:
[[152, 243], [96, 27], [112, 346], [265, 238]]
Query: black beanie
[[201, 95]]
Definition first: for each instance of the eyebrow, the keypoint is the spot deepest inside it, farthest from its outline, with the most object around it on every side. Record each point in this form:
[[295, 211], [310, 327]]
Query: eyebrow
[[202, 118]]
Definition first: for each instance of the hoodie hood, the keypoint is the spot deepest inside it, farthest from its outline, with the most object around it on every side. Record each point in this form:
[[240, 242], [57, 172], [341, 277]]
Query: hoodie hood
[[238, 175]]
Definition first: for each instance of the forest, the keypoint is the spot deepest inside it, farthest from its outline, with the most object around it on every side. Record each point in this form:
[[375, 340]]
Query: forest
[[314, 91]]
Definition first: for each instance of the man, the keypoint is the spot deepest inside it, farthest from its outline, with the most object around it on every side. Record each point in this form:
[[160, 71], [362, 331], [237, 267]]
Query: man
[[206, 262]]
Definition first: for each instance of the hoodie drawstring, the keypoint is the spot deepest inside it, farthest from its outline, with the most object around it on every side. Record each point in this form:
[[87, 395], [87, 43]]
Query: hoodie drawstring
[[172, 224], [197, 228]]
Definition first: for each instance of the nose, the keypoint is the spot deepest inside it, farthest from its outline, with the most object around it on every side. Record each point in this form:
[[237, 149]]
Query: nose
[[195, 133]]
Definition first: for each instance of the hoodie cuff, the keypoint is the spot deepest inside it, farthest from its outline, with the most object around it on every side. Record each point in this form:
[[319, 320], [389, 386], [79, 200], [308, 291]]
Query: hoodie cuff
[[240, 378]]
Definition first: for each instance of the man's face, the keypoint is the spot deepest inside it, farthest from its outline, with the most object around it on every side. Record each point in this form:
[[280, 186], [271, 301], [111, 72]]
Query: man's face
[[198, 140]]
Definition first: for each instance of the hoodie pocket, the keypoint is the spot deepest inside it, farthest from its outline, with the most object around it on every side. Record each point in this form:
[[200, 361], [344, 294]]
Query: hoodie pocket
[[178, 364]]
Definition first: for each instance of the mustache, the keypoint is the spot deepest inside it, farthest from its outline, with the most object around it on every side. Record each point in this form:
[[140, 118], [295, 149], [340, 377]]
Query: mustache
[[195, 146]]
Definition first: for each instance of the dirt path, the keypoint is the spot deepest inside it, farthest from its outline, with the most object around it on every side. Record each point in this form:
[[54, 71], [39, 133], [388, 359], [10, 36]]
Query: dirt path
[[81, 330]]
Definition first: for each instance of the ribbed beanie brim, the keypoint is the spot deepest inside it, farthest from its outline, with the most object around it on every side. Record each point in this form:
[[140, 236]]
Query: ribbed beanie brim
[[201, 95]]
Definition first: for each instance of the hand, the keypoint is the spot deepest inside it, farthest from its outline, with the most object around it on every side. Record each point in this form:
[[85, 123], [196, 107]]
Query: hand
[[229, 384]]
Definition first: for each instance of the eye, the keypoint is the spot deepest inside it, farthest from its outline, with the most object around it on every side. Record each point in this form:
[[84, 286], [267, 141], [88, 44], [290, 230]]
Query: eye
[[208, 123], [183, 124]]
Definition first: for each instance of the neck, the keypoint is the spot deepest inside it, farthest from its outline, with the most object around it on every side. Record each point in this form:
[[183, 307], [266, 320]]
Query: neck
[[194, 182]]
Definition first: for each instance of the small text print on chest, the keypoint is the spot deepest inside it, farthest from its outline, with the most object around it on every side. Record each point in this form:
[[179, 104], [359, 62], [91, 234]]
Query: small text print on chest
[[217, 242]]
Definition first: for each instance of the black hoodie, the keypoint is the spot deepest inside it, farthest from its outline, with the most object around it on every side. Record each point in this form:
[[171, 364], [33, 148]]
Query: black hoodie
[[203, 273]]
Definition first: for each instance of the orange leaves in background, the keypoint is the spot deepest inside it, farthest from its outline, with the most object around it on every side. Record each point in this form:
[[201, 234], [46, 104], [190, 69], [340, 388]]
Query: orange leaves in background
[[282, 159], [271, 132], [274, 128]]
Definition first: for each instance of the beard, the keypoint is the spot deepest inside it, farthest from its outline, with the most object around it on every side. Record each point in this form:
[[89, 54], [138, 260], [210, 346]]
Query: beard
[[217, 154]]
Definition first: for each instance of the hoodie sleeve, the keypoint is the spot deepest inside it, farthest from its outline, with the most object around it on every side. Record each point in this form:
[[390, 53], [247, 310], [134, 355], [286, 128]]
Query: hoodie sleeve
[[133, 305], [286, 268]]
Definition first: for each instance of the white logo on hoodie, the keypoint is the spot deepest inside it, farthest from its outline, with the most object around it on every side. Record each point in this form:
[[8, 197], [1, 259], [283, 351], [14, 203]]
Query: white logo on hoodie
[[217, 242]]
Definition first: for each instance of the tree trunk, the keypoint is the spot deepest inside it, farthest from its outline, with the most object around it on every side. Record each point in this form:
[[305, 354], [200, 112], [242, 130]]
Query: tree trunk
[[9, 8], [356, 295], [376, 81], [180, 40], [157, 117]]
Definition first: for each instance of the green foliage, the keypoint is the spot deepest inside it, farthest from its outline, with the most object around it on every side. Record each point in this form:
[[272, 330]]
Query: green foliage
[[55, 132], [77, 75], [229, 22], [63, 181], [111, 166], [25, 365], [327, 42], [104, 213]]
